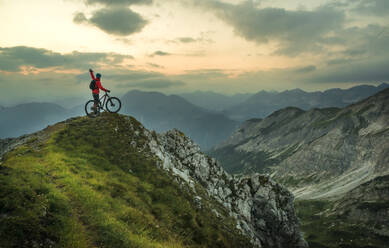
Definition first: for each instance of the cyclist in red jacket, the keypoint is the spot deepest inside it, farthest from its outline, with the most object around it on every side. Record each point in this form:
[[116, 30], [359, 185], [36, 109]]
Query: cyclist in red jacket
[[96, 90]]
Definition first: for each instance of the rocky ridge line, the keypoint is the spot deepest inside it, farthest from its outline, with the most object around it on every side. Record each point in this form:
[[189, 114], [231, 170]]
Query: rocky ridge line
[[264, 209]]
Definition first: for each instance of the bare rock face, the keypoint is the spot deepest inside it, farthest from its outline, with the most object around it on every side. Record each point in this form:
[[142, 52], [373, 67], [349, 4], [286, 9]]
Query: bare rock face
[[264, 209], [7, 145], [368, 203], [336, 156], [320, 153]]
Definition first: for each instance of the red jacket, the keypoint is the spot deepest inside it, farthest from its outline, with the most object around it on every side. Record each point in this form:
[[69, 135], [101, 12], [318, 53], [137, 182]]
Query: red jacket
[[98, 84]]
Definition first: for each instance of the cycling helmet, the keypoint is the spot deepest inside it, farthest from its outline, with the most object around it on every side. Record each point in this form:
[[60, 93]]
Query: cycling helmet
[[98, 75]]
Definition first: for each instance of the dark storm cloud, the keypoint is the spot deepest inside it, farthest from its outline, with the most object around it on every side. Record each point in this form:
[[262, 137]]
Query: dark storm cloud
[[12, 58], [153, 84], [115, 18], [371, 7], [160, 53], [118, 2], [350, 53], [344, 72], [155, 65], [306, 69], [296, 31], [79, 18], [360, 42], [353, 72], [363, 70], [117, 21], [203, 38]]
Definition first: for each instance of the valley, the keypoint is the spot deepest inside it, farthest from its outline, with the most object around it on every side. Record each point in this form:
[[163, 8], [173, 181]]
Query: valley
[[334, 160]]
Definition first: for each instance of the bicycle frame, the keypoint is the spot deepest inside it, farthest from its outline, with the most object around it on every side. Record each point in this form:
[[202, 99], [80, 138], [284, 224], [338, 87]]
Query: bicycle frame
[[102, 103]]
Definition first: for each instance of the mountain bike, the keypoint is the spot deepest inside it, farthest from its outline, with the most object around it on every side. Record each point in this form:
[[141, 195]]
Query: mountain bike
[[111, 104]]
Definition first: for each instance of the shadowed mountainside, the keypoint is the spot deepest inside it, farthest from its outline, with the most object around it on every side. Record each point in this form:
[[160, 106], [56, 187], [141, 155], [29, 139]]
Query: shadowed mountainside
[[336, 162], [214, 101], [161, 113], [30, 117]]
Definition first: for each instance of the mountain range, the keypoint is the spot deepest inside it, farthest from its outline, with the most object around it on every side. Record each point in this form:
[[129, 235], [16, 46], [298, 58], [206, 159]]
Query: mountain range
[[121, 185], [334, 160], [197, 114], [214, 101], [264, 103], [31, 117], [161, 112]]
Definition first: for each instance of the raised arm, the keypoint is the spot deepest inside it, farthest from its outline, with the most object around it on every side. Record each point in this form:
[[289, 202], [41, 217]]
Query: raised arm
[[91, 74]]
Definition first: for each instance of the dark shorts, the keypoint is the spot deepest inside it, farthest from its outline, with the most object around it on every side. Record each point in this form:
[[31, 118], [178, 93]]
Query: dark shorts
[[96, 98]]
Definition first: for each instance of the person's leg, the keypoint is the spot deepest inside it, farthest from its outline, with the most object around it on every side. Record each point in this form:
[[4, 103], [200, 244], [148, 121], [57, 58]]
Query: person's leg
[[96, 100]]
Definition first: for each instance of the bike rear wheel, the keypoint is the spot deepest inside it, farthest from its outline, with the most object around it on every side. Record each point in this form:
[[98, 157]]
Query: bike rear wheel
[[113, 105], [89, 109]]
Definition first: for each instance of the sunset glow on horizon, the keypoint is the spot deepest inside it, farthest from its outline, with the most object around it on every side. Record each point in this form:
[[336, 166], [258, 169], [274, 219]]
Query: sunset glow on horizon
[[224, 46]]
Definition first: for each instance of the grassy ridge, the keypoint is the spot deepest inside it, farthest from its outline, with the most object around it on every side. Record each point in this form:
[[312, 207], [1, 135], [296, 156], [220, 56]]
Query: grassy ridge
[[86, 186], [323, 228]]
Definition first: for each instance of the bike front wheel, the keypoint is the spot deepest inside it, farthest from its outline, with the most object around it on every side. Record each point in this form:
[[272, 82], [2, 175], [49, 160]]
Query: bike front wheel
[[113, 105], [90, 110]]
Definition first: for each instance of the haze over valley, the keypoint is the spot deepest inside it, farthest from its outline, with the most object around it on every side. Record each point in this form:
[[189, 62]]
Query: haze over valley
[[208, 118]]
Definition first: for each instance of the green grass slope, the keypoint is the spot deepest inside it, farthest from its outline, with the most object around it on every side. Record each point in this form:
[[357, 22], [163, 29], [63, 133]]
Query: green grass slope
[[323, 227], [81, 184]]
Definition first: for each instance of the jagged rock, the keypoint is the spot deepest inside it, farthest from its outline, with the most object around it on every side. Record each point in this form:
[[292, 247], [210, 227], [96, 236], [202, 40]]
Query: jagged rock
[[337, 157], [264, 209], [368, 203], [7, 145], [197, 200]]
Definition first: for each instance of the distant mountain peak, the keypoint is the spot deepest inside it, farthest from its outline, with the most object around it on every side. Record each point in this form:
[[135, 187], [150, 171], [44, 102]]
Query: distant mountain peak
[[254, 120], [383, 85], [297, 90], [293, 110], [264, 103], [162, 112]]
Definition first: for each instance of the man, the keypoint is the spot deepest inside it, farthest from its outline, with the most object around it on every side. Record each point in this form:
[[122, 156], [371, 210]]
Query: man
[[96, 90]]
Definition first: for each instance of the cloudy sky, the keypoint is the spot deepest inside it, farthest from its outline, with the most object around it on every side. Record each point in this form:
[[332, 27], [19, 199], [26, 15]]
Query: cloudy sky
[[173, 46]]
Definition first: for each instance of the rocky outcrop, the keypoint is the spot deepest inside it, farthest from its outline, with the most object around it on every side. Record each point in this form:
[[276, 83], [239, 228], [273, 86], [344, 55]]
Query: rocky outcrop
[[7, 145], [263, 209], [320, 153], [368, 203], [338, 158]]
